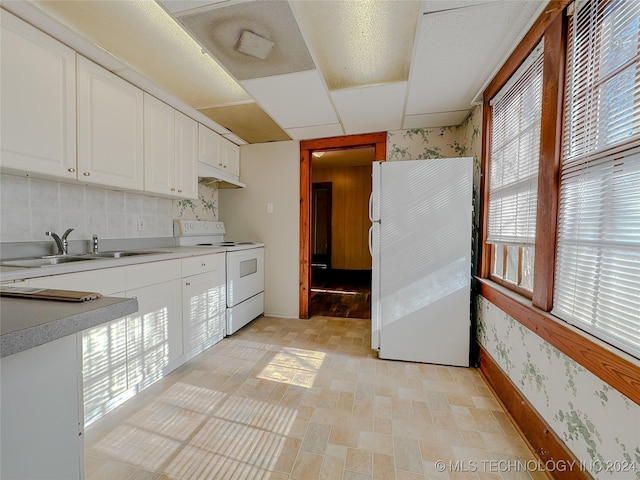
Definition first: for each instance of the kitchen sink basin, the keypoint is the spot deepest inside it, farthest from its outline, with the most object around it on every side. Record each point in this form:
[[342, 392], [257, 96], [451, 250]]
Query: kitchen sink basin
[[49, 260], [46, 261], [120, 254]]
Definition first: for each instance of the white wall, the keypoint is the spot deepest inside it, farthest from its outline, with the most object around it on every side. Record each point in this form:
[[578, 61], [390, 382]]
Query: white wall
[[271, 172]]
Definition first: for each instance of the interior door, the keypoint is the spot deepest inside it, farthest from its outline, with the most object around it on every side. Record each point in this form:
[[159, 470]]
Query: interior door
[[321, 225]]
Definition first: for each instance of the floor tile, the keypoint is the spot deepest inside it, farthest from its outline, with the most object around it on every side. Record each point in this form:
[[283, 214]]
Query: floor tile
[[290, 399]]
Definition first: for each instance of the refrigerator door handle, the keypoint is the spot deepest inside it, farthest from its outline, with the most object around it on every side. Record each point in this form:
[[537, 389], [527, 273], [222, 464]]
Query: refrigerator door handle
[[371, 208], [371, 240]]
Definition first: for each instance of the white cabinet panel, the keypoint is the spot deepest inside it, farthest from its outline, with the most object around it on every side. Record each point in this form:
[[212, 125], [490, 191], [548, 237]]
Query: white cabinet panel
[[110, 128], [230, 153], [186, 144], [170, 150], [203, 302], [154, 333], [159, 146], [108, 281], [38, 85], [209, 147], [41, 415], [146, 274]]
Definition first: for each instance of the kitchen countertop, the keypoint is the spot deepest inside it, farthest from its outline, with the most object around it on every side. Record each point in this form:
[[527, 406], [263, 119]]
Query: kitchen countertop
[[26, 323], [8, 274]]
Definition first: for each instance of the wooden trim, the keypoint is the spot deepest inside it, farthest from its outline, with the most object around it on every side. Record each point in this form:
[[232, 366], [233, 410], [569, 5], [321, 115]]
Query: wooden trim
[[305, 233], [377, 140], [484, 262], [554, 9], [547, 446], [611, 366], [549, 171]]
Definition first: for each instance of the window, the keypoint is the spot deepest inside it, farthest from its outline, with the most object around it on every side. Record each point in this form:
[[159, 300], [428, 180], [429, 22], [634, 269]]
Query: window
[[597, 281], [515, 152]]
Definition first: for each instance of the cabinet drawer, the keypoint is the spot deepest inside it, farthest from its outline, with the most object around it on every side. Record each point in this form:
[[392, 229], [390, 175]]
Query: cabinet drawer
[[137, 276], [202, 264], [106, 281]]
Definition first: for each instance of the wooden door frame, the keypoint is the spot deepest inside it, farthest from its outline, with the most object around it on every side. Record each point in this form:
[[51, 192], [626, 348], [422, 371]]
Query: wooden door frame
[[307, 147]]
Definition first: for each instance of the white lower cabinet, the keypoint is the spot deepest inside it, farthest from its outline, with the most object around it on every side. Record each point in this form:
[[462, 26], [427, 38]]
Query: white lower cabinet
[[181, 312], [203, 302], [41, 413], [154, 334]]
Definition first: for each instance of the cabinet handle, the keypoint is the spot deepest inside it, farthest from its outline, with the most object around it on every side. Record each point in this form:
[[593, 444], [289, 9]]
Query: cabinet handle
[[220, 164], [87, 174], [188, 284], [179, 190], [203, 265], [71, 169], [173, 189]]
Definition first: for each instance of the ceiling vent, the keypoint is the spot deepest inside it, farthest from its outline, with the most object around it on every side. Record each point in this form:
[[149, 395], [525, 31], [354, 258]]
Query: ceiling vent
[[254, 45]]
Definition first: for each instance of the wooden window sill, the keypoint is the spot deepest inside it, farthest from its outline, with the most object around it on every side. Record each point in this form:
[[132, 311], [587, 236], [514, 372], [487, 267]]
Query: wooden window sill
[[618, 369]]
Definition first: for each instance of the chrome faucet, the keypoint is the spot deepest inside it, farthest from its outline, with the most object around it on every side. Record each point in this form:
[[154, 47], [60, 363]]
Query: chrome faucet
[[61, 243]]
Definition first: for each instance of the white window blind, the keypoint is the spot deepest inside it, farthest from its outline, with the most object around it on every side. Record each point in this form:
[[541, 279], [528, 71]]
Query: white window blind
[[515, 154], [597, 285]]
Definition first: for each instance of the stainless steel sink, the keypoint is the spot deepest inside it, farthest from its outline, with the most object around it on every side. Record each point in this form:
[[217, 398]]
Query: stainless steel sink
[[120, 254], [46, 261], [49, 260]]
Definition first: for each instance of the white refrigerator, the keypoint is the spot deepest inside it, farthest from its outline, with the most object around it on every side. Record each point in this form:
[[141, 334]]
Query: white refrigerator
[[420, 243]]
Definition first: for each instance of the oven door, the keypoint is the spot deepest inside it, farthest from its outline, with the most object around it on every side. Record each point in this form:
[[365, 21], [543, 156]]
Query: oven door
[[245, 275]]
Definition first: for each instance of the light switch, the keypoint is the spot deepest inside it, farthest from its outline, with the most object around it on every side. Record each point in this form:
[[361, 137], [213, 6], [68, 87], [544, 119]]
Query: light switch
[[269, 207]]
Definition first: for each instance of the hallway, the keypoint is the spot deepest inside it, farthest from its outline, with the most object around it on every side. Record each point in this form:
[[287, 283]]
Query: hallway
[[305, 399], [341, 293]]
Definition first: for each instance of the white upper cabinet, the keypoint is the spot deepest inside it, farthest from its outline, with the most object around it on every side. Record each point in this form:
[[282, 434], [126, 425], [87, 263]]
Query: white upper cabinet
[[170, 150], [110, 128], [230, 153], [38, 78], [186, 170], [159, 146], [218, 152]]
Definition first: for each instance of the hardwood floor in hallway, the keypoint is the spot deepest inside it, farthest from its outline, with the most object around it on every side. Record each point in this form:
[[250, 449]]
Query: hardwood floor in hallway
[[341, 293], [288, 399]]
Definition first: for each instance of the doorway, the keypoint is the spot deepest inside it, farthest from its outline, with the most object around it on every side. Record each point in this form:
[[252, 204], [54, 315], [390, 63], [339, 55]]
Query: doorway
[[341, 273], [321, 211]]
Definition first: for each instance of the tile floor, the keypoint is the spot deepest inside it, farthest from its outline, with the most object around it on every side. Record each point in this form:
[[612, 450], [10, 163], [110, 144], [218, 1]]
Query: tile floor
[[307, 399]]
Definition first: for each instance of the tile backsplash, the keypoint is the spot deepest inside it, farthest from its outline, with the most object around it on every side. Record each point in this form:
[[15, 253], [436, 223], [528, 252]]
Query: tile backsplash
[[29, 207]]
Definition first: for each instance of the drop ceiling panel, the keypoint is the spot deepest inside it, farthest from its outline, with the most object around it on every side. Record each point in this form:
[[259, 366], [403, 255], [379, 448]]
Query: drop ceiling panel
[[459, 49], [175, 6], [320, 131], [371, 109], [142, 35], [293, 100], [218, 30], [359, 43], [432, 120], [248, 121]]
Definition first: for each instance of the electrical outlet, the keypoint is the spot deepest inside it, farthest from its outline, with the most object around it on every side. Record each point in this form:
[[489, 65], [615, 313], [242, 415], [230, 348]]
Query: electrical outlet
[[140, 224], [269, 207]]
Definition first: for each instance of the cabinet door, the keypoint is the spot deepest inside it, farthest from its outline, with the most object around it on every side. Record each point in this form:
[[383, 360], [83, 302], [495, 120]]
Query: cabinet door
[[159, 147], [154, 334], [41, 415], [230, 154], [209, 147], [110, 128], [38, 101], [203, 311], [186, 165]]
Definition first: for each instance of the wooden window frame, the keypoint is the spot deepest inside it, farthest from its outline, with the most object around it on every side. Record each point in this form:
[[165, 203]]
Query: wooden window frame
[[619, 370]]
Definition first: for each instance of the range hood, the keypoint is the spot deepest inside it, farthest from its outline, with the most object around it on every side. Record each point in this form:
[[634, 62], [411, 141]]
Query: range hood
[[210, 175]]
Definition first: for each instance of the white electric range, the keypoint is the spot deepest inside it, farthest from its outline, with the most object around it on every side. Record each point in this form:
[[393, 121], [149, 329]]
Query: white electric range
[[244, 268]]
